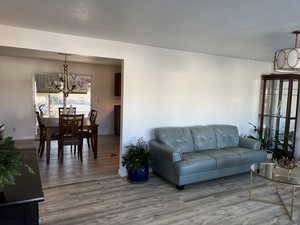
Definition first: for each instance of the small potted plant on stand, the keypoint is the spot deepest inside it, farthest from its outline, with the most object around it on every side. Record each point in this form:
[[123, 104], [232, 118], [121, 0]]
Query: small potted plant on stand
[[137, 161], [10, 163], [263, 140]]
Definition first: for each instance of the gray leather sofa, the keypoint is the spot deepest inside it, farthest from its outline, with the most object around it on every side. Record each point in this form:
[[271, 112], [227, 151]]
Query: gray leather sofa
[[185, 155]]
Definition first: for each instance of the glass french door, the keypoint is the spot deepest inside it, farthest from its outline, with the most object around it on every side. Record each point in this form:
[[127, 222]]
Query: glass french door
[[278, 117]]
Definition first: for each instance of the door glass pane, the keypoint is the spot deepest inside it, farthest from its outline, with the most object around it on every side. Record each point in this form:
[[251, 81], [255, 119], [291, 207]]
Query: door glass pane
[[269, 131], [294, 99], [282, 104], [279, 137], [268, 97], [272, 98], [274, 115]]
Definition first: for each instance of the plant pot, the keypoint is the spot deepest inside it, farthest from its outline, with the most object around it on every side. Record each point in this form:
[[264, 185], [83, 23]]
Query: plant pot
[[139, 175], [269, 154]]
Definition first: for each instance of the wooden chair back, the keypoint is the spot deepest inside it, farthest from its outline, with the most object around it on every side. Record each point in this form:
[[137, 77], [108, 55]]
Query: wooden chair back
[[38, 117], [41, 109], [70, 125], [61, 110], [93, 116]]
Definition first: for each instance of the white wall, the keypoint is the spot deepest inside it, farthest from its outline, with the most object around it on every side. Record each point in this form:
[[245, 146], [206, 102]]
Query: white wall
[[164, 87], [16, 92]]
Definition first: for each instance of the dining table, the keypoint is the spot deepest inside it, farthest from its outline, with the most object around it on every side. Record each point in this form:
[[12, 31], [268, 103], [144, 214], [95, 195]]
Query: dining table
[[51, 126]]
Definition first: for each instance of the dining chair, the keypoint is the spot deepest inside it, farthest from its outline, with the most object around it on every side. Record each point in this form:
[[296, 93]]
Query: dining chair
[[88, 133], [93, 116], [42, 135], [68, 109], [70, 134], [41, 109], [41, 112], [61, 110]]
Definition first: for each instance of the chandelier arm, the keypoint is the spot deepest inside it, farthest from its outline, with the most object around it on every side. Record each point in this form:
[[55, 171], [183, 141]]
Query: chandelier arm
[[66, 86]]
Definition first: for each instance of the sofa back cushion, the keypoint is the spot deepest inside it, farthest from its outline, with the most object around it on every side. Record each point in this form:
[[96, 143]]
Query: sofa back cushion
[[204, 137], [227, 136], [179, 138]]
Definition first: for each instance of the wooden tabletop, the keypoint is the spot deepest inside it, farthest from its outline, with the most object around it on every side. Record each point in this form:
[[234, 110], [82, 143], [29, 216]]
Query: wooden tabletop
[[54, 122]]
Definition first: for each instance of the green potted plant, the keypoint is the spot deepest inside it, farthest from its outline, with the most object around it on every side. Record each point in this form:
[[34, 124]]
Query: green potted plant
[[137, 161], [10, 163]]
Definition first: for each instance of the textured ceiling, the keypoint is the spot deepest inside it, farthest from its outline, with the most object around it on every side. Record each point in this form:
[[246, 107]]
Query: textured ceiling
[[251, 29]]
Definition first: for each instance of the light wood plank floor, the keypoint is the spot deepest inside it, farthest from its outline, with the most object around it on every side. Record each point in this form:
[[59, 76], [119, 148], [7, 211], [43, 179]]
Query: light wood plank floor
[[72, 171], [91, 196], [111, 200]]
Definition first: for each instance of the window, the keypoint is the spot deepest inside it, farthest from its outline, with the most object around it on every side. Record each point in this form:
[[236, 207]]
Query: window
[[50, 102]]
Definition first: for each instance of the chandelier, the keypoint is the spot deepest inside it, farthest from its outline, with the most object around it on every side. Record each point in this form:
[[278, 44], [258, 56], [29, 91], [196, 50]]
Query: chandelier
[[66, 82], [287, 59]]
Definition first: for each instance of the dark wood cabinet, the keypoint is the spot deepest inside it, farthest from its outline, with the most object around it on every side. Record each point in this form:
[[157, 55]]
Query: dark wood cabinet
[[117, 119], [118, 84], [279, 112], [20, 214], [19, 204]]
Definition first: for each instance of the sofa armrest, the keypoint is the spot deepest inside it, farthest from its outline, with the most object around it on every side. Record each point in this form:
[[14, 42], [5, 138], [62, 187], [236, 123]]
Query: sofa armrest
[[249, 143], [164, 152]]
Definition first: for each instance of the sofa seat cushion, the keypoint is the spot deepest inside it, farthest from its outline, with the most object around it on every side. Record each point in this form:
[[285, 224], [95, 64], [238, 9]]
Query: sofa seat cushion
[[179, 138], [194, 162], [249, 155], [204, 137], [225, 159], [227, 136]]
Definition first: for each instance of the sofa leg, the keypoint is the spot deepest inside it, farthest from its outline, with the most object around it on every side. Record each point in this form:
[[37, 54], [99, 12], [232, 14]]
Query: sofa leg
[[180, 187]]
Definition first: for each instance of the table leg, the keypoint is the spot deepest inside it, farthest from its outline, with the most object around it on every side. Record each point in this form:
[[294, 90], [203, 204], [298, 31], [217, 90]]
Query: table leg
[[292, 202], [285, 206], [251, 185], [95, 142], [48, 140]]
